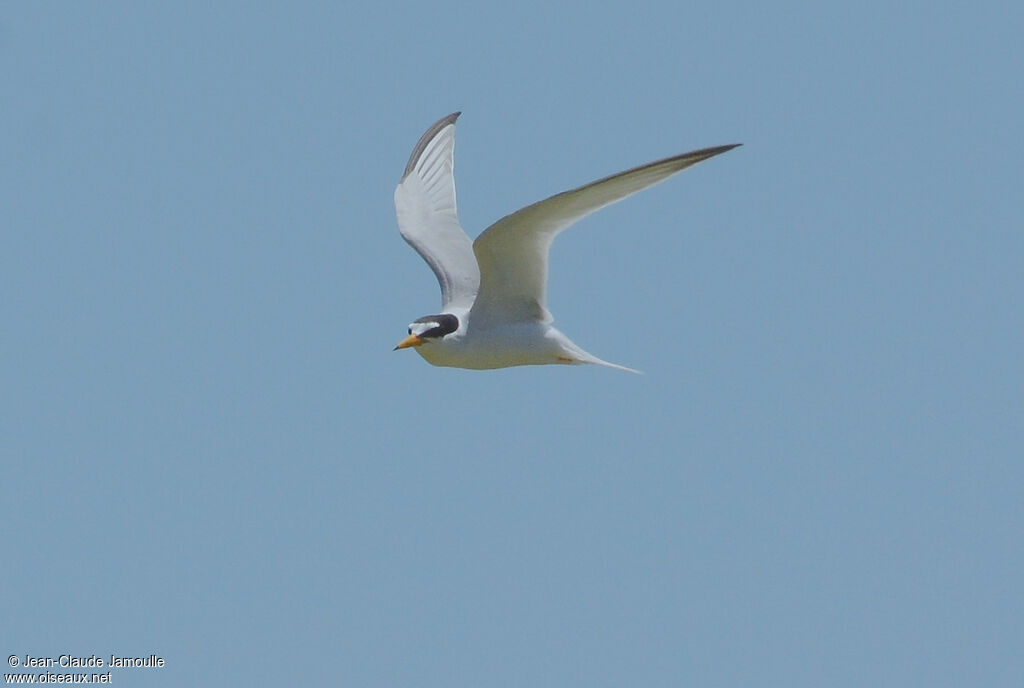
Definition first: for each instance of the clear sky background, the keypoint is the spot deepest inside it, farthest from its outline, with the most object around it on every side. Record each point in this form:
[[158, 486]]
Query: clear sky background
[[211, 453]]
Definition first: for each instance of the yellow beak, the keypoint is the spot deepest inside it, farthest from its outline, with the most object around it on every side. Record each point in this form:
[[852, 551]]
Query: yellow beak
[[411, 340]]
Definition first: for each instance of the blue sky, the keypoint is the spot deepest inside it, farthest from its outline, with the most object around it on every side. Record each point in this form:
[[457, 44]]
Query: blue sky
[[212, 454]]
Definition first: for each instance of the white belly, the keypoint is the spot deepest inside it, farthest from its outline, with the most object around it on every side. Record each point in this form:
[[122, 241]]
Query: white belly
[[514, 344]]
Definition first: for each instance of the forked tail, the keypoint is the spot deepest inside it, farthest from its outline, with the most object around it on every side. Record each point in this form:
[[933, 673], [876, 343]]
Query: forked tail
[[585, 357], [598, 361]]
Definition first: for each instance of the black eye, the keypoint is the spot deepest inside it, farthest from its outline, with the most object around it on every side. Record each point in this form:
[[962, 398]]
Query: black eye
[[409, 330]]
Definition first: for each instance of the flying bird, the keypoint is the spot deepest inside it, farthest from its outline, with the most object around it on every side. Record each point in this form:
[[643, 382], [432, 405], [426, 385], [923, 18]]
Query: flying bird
[[493, 290]]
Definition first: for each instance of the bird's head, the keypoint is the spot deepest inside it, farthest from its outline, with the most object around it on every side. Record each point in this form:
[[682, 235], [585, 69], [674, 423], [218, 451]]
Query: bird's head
[[430, 328]]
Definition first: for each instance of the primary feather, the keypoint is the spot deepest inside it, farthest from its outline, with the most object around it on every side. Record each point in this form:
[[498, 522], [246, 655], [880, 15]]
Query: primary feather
[[428, 217]]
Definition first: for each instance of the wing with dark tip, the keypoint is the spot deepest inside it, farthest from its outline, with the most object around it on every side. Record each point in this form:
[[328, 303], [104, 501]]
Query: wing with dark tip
[[512, 254], [427, 216]]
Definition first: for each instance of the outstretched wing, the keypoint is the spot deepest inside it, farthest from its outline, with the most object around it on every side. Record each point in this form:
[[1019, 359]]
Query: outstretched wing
[[427, 217], [512, 254]]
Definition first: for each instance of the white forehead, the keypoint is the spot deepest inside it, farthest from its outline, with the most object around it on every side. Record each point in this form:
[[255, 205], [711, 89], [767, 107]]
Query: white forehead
[[418, 328]]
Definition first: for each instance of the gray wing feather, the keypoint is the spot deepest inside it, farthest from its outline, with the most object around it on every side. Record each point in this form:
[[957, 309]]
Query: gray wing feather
[[512, 254], [428, 217]]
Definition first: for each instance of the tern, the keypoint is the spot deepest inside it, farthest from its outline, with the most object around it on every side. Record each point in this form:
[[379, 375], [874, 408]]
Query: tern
[[493, 290]]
